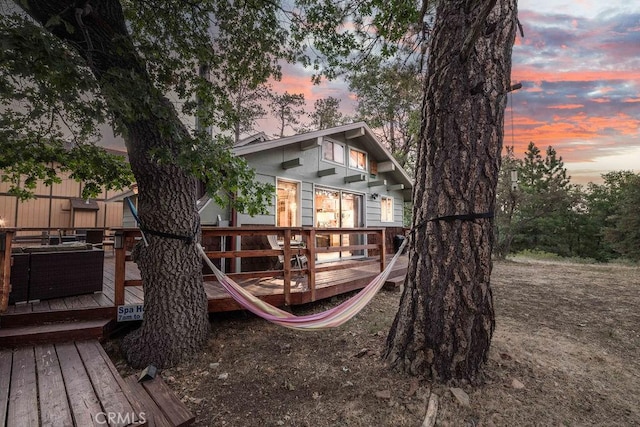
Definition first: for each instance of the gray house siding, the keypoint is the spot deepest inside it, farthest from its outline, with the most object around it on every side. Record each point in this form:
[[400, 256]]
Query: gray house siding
[[307, 204], [374, 211], [305, 159]]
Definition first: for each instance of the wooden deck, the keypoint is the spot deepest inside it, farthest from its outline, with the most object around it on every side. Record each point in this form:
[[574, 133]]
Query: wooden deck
[[62, 378], [271, 289], [76, 384]]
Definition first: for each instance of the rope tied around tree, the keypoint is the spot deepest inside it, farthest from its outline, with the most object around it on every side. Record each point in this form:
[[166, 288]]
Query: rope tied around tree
[[451, 218], [186, 238]]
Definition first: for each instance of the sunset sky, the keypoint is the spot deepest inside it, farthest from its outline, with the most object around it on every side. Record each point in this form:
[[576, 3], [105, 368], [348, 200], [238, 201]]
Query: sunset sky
[[579, 63]]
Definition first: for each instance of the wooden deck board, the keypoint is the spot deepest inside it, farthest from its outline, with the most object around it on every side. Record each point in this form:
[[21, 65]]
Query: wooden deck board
[[152, 413], [102, 300], [40, 306], [6, 357], [54, 407], [174, 410], [74, 302], [57, 304], [107, 388], [22, 308], [23, 396], [83, 399], [87, 300], [76, 384]]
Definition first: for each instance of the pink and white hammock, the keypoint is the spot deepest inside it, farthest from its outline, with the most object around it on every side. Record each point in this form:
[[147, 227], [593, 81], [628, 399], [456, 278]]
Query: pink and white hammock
[[331, 318]]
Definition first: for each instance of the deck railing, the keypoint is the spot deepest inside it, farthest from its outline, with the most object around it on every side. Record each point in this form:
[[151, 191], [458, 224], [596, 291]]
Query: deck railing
[[43, 235], [6, 238], [309, 243], [296, 242]]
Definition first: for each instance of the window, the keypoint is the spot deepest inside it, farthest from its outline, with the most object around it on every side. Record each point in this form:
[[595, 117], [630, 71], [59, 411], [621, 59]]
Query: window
[[386, 207], [332, 151], [357, 160], [287, 204]]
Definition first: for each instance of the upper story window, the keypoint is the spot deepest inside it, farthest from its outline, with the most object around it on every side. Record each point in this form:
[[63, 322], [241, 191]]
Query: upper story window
[[332, 151], [357, 160]]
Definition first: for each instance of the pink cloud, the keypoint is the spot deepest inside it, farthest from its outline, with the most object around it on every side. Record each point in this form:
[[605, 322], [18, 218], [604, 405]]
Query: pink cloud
[[566, 106], [525, 73]]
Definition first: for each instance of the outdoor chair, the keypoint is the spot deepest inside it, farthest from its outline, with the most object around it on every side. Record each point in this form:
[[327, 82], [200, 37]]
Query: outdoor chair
[[296, 260], [99, 240], [95, 238]]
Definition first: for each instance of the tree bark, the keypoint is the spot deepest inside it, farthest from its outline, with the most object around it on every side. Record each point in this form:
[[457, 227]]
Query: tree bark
[[445, 321], [175, 320]]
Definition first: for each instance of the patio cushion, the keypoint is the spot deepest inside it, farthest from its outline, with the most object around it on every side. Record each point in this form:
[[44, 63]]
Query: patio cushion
[[66, 247]]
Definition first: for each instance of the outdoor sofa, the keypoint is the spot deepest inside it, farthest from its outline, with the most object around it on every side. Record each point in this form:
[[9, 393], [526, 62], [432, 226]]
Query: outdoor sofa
[[56, 271]]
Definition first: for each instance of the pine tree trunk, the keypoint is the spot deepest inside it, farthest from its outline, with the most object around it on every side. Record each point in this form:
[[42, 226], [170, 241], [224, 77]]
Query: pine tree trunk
[[175, 320], [445, 321]]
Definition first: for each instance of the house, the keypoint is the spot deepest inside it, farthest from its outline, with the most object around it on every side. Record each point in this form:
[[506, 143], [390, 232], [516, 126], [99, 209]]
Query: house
[[340, 177]]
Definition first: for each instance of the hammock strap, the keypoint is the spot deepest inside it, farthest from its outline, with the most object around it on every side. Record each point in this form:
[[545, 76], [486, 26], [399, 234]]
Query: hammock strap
[[188, 239]]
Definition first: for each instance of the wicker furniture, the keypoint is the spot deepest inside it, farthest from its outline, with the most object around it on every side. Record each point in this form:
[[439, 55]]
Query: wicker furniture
[[19, 278], [56, 272]]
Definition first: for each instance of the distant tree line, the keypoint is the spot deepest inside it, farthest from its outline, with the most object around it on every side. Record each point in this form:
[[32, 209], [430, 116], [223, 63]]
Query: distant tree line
[[538, 208]]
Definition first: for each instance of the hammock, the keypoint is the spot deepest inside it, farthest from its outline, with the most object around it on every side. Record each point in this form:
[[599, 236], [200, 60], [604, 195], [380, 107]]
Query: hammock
[[331, 318]]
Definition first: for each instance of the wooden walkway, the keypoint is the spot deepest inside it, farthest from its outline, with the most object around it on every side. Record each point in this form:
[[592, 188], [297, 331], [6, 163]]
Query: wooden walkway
[[76, 384]]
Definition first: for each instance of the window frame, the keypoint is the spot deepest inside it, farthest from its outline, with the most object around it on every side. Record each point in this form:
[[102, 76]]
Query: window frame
[[333, 143], [366, 160], [383, 217], [298, 200]]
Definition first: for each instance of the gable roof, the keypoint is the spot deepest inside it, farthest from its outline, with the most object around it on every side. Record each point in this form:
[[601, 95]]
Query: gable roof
[[258, 137], [359, 131]]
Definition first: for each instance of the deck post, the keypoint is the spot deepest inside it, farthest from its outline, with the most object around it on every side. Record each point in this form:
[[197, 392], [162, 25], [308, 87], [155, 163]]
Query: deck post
[[287, 266], [311, 262], [5, 268], [383, 254], [120, 265]]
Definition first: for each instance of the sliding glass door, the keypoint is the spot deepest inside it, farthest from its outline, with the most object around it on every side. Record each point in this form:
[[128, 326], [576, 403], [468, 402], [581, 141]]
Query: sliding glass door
[[338, 209]]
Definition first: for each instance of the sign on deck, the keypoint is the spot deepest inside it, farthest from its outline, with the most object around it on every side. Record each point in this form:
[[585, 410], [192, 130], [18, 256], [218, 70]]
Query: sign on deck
[[127, 313]]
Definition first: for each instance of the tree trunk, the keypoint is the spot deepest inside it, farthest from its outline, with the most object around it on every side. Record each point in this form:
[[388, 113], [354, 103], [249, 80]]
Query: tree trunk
[[445, 321], [175, 320], [175, 305]]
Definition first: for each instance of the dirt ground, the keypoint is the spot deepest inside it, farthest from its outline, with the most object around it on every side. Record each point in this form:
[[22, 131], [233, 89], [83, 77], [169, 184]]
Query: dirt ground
[[566, 351]]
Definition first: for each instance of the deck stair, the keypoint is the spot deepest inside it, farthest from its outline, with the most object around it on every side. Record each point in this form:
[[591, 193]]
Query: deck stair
[[12, 335], [395, 280], [76, 384]]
